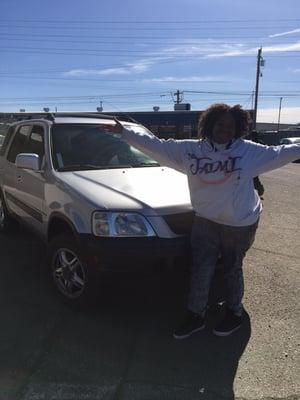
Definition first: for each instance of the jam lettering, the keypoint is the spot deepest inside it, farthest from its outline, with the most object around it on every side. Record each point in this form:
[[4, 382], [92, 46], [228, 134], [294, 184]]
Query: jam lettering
[[205, 165]]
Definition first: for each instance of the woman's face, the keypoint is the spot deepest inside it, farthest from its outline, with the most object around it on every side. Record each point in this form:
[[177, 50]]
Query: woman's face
[[224, 129]]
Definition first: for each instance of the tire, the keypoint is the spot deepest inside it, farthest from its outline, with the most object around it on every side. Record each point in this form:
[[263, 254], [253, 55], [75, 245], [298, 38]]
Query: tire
[[69, 271], [7, 223]]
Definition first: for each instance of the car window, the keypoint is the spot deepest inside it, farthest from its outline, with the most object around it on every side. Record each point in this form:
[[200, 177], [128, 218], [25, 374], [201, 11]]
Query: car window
[[19, 143], [36, 141], [89, 145]]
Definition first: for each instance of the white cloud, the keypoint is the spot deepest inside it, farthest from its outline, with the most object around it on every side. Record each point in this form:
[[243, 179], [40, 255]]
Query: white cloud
[[285, 33], [203, 49], [184, 52], [93, 72], [253, 51], [281, 48], [289, 115], [210, 48], [215, 50], [169, 54], [129, 68]]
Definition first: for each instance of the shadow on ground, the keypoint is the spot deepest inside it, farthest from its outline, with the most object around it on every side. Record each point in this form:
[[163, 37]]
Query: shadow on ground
[[120, 347]]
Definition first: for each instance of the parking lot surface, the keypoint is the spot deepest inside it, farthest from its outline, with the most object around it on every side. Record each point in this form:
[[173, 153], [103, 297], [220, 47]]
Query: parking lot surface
[[121, 347]]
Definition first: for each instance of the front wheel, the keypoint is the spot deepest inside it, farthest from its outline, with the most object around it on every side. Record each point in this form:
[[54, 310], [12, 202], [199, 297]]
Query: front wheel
[[69, 270]]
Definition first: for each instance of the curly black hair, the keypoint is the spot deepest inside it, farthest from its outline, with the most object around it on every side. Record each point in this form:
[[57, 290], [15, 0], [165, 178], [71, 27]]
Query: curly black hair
[[215, 111]]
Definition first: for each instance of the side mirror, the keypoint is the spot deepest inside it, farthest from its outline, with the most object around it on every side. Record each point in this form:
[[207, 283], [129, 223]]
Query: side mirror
[[28, 161]]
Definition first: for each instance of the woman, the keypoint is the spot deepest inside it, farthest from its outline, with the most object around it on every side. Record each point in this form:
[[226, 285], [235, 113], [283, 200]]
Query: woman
[[220, 168]]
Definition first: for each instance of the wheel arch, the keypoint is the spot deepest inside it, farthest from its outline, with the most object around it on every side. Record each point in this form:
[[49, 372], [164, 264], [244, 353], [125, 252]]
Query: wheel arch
[[59, 224]]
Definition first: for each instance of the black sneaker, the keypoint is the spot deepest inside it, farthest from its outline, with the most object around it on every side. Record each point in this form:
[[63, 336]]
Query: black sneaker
[[192, 324], [229, 324]]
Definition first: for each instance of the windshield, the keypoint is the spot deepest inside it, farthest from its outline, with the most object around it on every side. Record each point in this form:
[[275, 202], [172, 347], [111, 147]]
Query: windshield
[[88, 146]]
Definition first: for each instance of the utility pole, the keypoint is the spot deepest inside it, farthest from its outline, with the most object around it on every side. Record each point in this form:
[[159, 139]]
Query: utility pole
[[259, 59], [252, 100], [279, 112], [178, 98]]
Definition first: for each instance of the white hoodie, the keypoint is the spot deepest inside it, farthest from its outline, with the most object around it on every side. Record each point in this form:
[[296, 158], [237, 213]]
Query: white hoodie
[[220, 181]]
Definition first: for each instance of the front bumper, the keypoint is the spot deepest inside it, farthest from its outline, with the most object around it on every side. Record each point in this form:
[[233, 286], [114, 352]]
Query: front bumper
[[123, 254]]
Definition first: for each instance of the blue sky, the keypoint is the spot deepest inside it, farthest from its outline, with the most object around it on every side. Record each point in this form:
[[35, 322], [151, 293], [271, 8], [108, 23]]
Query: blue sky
[[134, 54]]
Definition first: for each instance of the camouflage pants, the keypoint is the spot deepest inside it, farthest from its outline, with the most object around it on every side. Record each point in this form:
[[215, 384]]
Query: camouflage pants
[[209, 240]]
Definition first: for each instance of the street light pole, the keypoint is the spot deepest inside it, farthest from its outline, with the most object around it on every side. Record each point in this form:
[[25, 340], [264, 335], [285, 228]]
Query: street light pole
[[257, 86], [279, 112]]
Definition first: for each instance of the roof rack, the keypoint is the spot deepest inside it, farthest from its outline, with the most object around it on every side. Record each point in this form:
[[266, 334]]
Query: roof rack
[[81, 115], [52, 115], [92, 115]]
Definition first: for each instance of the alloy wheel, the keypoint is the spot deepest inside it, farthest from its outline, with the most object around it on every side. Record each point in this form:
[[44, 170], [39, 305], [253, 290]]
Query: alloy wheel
[[68, 273]]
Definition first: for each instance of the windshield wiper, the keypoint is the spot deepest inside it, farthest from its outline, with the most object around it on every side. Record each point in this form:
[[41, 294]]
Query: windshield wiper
[[147, 164], [83, 167], [77, 167]]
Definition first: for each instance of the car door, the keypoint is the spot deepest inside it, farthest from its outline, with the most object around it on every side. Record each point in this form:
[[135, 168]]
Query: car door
[[30, 185], [18, 145]]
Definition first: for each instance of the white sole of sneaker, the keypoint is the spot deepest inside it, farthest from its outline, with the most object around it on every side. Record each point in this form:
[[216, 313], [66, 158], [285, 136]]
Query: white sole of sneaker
[[217, 333], [188, 334]]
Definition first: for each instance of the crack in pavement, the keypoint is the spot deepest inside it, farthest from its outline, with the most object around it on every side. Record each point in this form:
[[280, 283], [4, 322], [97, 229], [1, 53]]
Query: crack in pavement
[[276, 253]]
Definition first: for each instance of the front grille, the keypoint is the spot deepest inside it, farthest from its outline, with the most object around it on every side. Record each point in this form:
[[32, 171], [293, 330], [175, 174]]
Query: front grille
[[181, 224]]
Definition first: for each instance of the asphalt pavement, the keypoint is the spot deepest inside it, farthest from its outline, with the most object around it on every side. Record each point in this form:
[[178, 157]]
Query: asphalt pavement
[[121, 347]]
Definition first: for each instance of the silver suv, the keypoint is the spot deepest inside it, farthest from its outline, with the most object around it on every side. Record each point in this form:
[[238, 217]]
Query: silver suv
[[98, 203]]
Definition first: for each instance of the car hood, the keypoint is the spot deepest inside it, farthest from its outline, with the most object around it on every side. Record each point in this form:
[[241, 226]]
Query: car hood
[[149, 190]]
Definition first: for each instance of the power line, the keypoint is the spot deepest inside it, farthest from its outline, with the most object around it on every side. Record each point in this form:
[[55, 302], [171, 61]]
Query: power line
[[153, 60], [146, 80], [269, 93], [167, 42], [127, 51], [104, 80], [149, 54], [189, 28], [262, 93], [144, 105], [94, 96], [150, 22], [82, 102], [75, 49], [135, 37]]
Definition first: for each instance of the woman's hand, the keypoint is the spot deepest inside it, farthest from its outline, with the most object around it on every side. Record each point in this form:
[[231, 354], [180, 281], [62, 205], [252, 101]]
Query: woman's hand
[[117, 128]]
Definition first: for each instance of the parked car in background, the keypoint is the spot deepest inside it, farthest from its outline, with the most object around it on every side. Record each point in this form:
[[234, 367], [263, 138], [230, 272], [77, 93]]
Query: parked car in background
[[291, 140], [99, 204]]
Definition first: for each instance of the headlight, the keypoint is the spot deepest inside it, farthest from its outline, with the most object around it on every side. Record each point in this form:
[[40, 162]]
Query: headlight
[[121, 224]]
